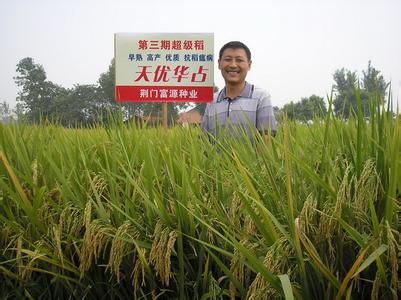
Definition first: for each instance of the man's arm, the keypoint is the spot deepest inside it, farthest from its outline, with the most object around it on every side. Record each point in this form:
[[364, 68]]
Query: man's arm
[[265, 119]]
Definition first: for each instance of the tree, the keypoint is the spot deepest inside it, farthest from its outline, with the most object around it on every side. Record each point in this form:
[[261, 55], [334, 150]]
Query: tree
[[19, 112], [277, 114], [290, 109], [81, 105], [306, 109], [312, 107], [77, 107], [37, 93], [374, 83], [5, 112], [106, 93], [347, 85]]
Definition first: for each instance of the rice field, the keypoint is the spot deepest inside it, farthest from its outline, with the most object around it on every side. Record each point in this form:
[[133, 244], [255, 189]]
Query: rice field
[[124, 212]]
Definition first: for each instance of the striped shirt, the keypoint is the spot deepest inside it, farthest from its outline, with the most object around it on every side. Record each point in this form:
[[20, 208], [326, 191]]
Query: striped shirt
[[252, 108]]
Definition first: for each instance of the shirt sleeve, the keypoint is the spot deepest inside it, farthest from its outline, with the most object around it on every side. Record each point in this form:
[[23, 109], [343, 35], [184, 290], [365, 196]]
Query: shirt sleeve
[[265, 119]]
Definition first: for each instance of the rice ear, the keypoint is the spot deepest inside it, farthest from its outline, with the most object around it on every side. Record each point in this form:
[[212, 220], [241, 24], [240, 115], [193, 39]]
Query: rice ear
[[118, 250], [160, 253]]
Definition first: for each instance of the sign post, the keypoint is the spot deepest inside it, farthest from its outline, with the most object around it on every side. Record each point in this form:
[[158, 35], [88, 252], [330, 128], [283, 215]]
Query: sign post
[[164, 67], [165, 115]]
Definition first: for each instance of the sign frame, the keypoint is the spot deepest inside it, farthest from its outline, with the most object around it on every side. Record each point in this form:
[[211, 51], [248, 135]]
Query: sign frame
[[164, 67]]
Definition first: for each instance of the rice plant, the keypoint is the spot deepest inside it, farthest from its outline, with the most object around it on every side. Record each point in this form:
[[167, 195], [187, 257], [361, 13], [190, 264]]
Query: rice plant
[[126, 211]]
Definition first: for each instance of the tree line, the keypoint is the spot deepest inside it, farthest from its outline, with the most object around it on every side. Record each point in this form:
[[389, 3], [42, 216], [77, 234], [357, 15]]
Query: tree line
[[82, 105], [88, 104], [347, 89]]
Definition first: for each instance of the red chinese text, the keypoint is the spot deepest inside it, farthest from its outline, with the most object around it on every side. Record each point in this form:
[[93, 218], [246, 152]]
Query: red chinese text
[[163, 73], [171, 45]]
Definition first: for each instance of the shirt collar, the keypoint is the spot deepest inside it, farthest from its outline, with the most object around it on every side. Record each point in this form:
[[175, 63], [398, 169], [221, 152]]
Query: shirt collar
[[246, 93]]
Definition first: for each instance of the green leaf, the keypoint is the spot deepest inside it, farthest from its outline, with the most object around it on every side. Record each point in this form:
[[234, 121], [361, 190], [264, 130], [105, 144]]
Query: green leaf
[[287, 288], [371, 258]]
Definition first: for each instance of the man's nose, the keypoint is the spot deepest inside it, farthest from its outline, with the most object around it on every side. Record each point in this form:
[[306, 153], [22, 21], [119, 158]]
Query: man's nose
[[233, 63]]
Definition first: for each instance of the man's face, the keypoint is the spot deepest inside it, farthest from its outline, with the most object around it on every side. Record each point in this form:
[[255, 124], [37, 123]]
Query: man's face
[[234, 65]]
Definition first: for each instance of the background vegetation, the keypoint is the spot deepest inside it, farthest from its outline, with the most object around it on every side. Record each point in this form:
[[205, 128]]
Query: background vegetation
[[85, 105]]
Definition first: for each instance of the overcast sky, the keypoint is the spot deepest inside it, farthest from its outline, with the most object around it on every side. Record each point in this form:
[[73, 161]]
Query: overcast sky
[[296, 45]]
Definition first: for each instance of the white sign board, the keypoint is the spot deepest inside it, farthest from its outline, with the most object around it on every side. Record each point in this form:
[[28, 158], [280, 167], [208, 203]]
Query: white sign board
[[164, 67]]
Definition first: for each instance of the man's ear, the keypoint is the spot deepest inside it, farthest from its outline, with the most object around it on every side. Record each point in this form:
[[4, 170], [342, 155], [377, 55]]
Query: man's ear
[[250, 63], [218, 63]]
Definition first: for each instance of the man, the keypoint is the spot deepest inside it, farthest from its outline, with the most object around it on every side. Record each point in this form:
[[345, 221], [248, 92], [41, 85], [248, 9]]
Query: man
[[240, 105]]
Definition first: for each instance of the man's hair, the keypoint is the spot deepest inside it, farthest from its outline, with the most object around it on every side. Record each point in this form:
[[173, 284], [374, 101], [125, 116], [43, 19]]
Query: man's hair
[[236, 45]]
